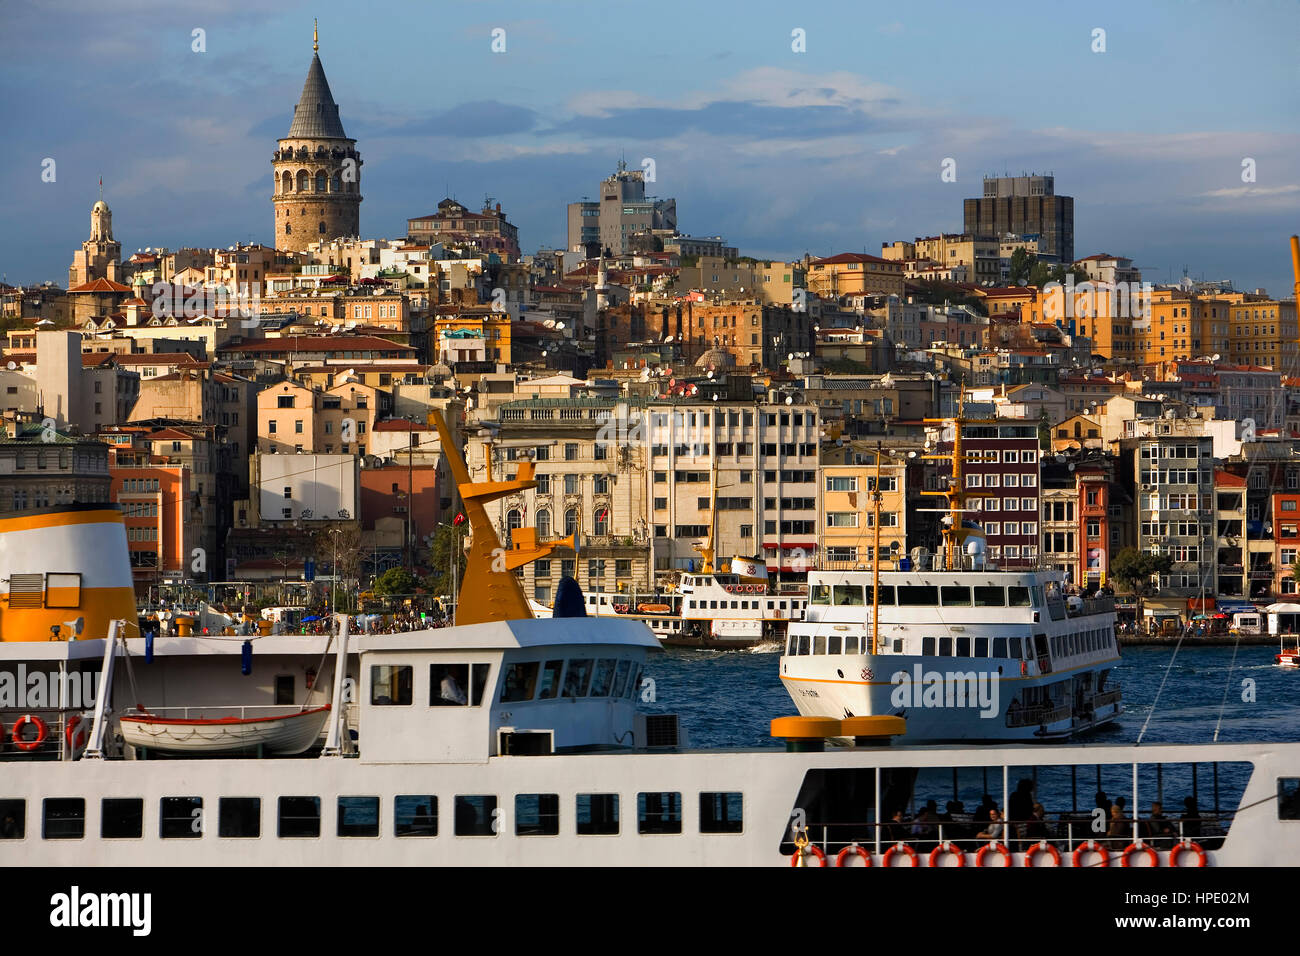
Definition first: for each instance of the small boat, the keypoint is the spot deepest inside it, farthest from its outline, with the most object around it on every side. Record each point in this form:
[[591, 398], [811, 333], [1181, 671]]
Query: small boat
[[1288, 656], [283, 734]]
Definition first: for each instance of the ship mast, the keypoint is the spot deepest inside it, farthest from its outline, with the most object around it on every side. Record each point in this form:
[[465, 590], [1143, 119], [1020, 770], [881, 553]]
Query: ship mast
[[707, 549], [956, 490], [875, 565]]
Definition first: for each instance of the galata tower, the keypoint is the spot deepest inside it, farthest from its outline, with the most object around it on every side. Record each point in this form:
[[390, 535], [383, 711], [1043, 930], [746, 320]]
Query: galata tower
[[317, 169]]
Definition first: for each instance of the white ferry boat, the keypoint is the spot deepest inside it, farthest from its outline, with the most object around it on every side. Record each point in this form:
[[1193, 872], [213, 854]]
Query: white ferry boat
[[512, 741]]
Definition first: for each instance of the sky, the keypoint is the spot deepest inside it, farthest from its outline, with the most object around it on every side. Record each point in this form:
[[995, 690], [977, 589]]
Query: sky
[[837, 147]]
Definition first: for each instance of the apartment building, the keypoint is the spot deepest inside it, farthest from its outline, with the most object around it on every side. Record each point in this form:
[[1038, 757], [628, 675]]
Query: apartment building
[[847, 512], [853, 273], [1002, 487], [294, 419]]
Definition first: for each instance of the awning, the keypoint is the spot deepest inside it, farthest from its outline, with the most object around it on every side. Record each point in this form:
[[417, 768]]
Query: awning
[[792, 547], [1283, 609], [1200, 604]]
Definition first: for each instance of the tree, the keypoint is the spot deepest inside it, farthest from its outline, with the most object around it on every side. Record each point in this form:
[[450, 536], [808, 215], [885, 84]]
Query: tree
[[394, 581], [1021, 264], [1133, 569], [447, 541]]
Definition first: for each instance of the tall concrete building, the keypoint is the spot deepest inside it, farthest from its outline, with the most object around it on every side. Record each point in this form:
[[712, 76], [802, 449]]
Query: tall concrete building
[[1026, 206], [317, 170], [621, 211]]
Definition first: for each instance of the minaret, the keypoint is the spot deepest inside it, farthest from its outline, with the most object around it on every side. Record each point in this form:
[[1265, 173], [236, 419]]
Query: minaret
[[602, 284], [316, 191]]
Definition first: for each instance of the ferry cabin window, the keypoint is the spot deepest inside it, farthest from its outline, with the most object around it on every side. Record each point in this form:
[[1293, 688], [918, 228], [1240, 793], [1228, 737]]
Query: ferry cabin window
[[819, 644], [474, 815], [945, 647], [597, 814], [918, 595], [121, 818], [415, 815], [955, 595], [620, 678], [820, 594], [963, 647], [537, 814], [64, 818], [299, 817], [658, 813], [1288, 798], [450, 685], [851, 644], [927, 647], [521, 681], [833, 644], [635, 685], [577, 677], [239, 818], [886, 594], [982, 646], [13, 819], [722, 813], [550, 680], [391, 684], [999, 647], [358, 817], [847, 595], [805, 645], [603, 678], [988, 596], [1019, 597]]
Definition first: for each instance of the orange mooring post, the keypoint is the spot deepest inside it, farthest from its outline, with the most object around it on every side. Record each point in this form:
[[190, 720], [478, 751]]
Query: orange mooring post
[[490, 591]]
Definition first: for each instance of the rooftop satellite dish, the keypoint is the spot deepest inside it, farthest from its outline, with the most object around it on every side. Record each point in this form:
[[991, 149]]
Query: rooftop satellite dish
[[11, 366], [559, 326], [645, 374], [710, 373], [715, 396], [790, 357], [668, 338], [1214, 357], [789, 400]]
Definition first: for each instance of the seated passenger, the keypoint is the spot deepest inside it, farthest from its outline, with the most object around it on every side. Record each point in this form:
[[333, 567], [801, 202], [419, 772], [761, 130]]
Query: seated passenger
[[995, 830]]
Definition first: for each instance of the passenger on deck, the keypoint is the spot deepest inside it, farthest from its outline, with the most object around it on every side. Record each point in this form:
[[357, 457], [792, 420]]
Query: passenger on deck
[[1036, 829], [896, 831], [1102, 801], [923, 830], [1157, 830], [995, 828], [1020, 807], [982, 812], [1191, 819], [1119, 831]]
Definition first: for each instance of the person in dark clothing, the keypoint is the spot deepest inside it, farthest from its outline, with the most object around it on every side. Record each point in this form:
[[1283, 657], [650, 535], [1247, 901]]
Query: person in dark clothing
[[1103, 802], [1020, 808], [1191, 819]]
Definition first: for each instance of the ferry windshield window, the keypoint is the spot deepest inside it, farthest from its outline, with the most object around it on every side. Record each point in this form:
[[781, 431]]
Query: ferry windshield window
[[65, 818], [820, 594], [597, 814], [988, 596], [981, 647], [537, 814], [848, 594], [955, 596], [886, 594], [1019, 597], [1288, 798], [300, 816], [577, 676], [927, 647], [475, 815], [917, 595], [851, 644], [415, 816], [447, 683], [391, 684], [121, 818], [358, 817], [239, 817], [521, 681], [480, 672], [550, 680], [13, 819], [620, 678], [603, 678], [658, 813]]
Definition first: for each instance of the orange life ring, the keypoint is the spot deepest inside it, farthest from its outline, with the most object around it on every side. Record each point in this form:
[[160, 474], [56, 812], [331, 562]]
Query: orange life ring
[[41, 732], [731, 589], [74, 734], [620, 608], [1090, 845], [853, 848], [1045, 847], [947, 847], [994, 847], [900, 847], [1187, 845], [1139, 848], [816, 851], [1024, 668]]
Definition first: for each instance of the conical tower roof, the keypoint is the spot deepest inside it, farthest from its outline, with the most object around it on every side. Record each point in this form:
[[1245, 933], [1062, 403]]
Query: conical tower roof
[[317, 115]]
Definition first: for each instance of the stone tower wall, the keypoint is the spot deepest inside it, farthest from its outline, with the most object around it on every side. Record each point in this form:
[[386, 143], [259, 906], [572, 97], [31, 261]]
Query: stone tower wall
[[337, 206]]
